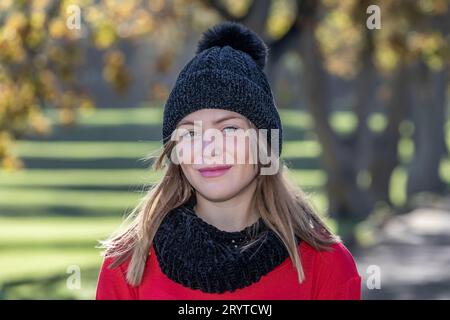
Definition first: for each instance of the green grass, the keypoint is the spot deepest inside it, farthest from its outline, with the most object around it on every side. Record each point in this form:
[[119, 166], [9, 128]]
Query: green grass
[[35, 250], [114, 117], [86, 149], [34, 263], [74, 177], [103, 199], [43, 232], [296, 119]]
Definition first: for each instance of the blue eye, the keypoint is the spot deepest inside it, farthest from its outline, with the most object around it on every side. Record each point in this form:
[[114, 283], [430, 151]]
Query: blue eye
[[229, 129], [189, 133]]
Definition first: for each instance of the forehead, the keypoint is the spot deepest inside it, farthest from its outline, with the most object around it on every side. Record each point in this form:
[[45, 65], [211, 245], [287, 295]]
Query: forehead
[[212, 115]]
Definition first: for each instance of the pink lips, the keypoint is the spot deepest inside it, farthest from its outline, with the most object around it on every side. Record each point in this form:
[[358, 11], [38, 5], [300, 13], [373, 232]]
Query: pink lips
[[214, 171]]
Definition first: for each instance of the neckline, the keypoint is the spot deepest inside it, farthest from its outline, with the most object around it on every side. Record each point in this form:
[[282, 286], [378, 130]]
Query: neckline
[[198, 255], [241, 235]]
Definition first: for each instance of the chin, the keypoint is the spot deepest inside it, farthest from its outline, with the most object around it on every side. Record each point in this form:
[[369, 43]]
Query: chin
[[216, 195]]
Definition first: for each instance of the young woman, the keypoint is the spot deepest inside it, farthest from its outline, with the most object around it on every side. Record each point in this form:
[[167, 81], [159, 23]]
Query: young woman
[[220, 228]]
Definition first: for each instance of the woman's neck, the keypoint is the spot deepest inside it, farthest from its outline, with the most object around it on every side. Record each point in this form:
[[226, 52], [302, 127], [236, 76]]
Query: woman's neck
[[230, 215]]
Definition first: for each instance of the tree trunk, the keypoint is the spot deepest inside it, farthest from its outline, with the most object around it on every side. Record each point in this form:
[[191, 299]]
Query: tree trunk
[[385, 159], [347, 202], [429, 136]]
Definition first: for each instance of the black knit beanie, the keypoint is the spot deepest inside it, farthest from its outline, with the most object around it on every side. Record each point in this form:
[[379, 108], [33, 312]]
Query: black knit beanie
[[227, 72]]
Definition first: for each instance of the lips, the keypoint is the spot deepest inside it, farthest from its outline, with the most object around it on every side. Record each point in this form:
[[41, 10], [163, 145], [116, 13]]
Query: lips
[[216, 171]]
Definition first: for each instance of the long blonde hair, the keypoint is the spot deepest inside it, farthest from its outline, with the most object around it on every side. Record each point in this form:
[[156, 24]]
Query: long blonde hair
[[283, 206]]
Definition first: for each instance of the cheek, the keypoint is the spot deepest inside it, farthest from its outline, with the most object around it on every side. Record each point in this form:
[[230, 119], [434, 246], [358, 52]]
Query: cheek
[[239, 176], [189, 173], [241, 150], [185, 152], [246, 171]]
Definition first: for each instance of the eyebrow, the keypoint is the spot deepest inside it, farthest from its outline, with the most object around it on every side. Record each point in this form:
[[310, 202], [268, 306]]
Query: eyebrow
[[215, 122]]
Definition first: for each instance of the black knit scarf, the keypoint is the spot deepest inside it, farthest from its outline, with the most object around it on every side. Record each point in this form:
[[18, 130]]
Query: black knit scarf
[[198, 255]]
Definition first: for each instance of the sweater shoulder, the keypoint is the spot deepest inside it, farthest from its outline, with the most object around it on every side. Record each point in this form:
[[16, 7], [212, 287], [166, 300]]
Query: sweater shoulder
[[112, 283], [334, 273], [336, 261]]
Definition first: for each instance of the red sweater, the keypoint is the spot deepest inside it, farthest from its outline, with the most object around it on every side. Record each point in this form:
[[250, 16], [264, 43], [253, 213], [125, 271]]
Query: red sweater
[[329, 275]]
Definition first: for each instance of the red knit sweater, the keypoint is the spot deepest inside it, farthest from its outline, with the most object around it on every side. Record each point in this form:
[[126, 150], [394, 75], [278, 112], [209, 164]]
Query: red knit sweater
[[329, 275]]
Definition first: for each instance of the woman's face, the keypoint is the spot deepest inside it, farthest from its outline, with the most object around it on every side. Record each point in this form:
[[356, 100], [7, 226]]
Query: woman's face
[[217, 154]]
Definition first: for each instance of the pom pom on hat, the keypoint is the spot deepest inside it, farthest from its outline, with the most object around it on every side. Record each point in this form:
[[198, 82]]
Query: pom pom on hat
[[238, 37]]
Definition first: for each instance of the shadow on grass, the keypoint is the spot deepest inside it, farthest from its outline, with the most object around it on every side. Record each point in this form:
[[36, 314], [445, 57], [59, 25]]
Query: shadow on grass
[[51, 287]]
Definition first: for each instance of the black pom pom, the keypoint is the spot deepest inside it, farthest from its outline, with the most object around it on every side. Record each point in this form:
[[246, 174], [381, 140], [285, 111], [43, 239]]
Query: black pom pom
[[238, 37]]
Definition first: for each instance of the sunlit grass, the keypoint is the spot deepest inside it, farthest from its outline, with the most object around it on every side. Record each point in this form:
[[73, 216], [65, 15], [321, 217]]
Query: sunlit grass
[[74, 177], [148, 115], [44, 262], [105, 177], [55, 197], [40, 247], [296, 119], [44, 288], [68, 232], [86, 149], [343, 122]]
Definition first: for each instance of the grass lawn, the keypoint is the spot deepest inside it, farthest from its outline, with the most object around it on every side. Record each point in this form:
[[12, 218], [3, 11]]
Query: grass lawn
[[38, 252]]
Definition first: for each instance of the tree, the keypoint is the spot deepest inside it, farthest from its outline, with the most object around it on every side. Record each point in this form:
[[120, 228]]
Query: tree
[[43, 43], [413, 34]]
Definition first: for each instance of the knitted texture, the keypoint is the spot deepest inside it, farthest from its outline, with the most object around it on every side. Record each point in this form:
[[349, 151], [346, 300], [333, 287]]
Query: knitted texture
[[198, 255], [226, 73]]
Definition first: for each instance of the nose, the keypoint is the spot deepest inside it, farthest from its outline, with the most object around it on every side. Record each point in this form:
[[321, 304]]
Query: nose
[[215, 140], [206, 141]]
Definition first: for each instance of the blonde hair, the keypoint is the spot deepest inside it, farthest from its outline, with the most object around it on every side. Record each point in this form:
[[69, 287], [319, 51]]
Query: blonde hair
[[283, 206]]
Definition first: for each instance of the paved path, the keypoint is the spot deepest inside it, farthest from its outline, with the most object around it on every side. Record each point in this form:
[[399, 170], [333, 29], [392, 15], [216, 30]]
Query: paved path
[[413, 256]]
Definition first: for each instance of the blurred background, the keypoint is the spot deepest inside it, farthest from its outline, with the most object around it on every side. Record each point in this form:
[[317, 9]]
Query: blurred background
[[363, 95]]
